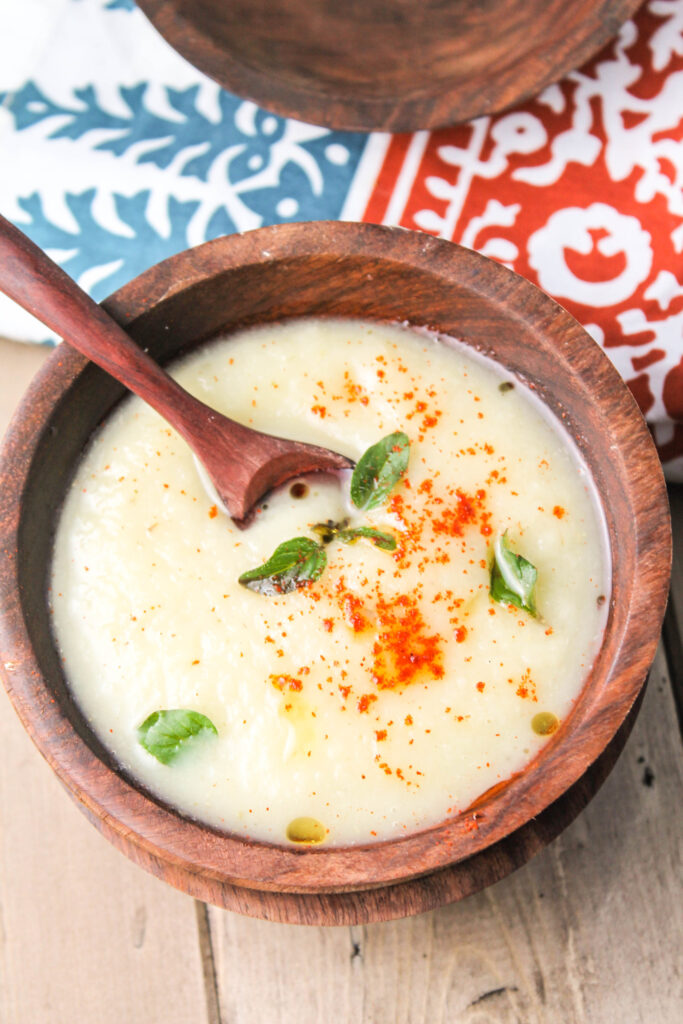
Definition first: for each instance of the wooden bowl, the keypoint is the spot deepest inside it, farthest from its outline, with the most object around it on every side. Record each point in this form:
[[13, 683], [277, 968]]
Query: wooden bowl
[[340, 270], [390, 65]]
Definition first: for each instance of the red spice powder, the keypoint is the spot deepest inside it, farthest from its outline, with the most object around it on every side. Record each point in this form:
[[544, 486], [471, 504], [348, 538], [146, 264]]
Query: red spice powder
[[412, 528], [404, 651], [381, 734], [213, 512], [353, 608], [285, 682], [559, 512], [481, 686], [527, 688], [354, 392], [464, 512]]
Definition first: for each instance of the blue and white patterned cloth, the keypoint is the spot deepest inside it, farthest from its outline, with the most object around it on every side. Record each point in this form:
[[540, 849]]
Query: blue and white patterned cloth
[[115, 152]]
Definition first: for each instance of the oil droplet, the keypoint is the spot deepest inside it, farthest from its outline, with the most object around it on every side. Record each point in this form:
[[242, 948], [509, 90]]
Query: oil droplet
[[308, 831], [544, 723], [299, 489]]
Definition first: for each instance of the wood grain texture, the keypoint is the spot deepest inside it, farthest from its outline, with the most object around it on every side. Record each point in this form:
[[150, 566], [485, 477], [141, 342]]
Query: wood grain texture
[[587, 933], [673, 622], [84, 935], [389, 65], [337, 270]]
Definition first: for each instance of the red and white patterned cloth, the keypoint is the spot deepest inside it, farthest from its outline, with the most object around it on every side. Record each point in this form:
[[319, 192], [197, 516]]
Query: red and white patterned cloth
[[581, 191]]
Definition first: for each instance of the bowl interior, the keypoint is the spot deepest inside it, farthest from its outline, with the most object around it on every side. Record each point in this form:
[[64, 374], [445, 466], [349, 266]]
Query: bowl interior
[[339, 270]]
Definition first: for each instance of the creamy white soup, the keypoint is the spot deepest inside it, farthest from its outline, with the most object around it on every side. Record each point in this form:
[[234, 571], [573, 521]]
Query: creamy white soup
[[439, 640]]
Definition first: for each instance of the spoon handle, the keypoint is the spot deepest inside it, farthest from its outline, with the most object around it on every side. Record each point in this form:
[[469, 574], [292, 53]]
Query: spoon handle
[[242, 463], [40, 286]]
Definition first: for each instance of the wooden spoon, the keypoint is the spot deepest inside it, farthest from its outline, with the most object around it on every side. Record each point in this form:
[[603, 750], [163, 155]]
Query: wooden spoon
[[243, 464]]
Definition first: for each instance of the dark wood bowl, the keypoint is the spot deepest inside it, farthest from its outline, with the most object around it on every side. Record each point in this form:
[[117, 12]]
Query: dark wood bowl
[[340, 270], [390, 65]]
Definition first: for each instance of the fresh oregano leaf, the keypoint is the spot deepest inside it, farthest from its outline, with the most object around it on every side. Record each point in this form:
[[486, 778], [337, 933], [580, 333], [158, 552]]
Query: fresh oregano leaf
[[380, 539], [379, 470], [292, 565], [166, 733], [513, 578]]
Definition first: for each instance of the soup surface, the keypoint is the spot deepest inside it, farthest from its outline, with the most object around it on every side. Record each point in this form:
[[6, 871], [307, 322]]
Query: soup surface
[[403, 681]]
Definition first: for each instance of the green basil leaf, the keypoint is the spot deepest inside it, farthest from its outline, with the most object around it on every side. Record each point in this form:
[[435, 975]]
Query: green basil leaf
[[381, 540], [513, 578], [292, 565], [379, 470], [166, 733]]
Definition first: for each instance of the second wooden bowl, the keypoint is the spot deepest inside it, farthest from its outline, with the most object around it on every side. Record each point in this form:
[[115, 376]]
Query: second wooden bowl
[[340, 270], [388, 65]]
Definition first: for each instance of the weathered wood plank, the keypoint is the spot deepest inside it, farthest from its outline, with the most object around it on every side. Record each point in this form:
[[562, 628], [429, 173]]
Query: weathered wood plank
[[84, 933], [673, 623], [587, 933]]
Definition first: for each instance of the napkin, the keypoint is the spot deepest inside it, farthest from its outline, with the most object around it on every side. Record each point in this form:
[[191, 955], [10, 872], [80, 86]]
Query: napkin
[[115, 153]]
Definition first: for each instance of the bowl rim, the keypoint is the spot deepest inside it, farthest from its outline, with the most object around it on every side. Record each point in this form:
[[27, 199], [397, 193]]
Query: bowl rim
[[153, 833]]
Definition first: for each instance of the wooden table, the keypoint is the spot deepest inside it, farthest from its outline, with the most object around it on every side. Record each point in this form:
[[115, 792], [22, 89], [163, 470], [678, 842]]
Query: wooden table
[[589, 932]]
